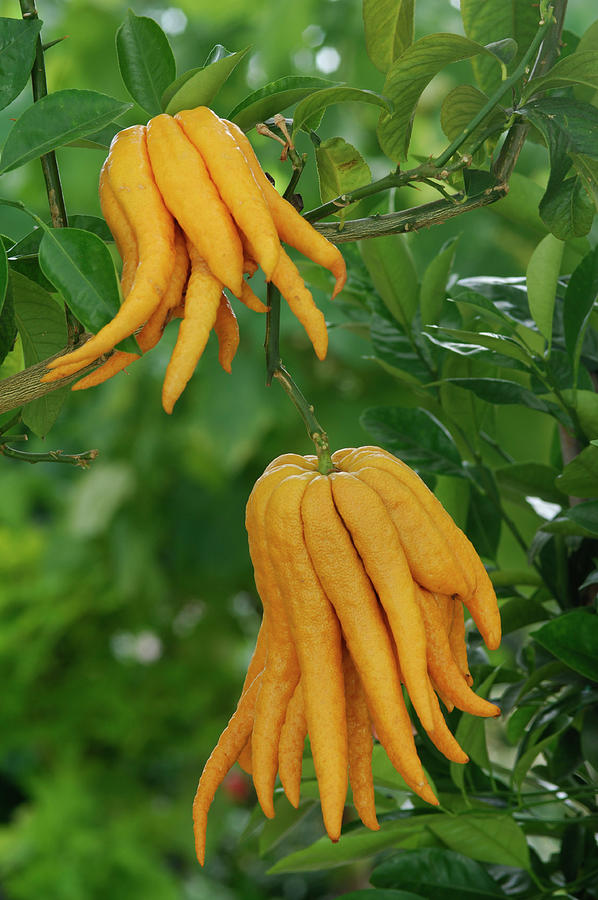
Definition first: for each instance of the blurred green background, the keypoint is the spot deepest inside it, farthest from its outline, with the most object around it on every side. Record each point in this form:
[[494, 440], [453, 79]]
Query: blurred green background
[[127, 605]]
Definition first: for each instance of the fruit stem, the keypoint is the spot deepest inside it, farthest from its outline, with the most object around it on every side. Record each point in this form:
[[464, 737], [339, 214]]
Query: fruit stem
[[306, 411]]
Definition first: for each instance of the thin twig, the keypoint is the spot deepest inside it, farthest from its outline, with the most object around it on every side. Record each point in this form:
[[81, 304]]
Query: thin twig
[[54, 456], [48, 161]]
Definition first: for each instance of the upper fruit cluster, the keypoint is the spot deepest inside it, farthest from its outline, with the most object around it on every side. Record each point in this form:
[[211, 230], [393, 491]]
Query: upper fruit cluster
[[191, 212]]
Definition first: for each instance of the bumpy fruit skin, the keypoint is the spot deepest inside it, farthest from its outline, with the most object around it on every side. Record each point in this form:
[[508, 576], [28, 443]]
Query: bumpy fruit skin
[[350, 615]]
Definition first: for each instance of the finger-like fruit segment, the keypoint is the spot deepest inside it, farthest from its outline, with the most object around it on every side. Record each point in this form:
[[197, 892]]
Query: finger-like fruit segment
[[317, 637], [193, 199], [230, 172]]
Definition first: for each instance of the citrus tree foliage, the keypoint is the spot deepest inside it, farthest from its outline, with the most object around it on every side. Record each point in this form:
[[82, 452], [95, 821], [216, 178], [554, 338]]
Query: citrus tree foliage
[[470, 349]]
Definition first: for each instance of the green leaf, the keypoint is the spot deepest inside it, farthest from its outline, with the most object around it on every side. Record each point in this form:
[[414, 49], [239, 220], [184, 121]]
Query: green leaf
[[573, 638], [355, 845], [526, 760], [485, 21], [17, 53], [437, 873], [520, 612], [198, 87], [471, 736], [79, 265], [498, 343], [483, 525], [8, 327], [393, 347], [587, 169], [566, 209], [54, 121], [580, 476], [578, 68], [416, 436], [374, 894], [580, 297], [97, 140], [499, 390], [286, 819], [542, 277], [433, 287], [521, 480], [42, 326], [145, 61], [310, 109], [388, 27], [275, 97], [496, 839], [3, 276], [577, 121], [392, 270], [407, 78], [589, 737], [341, 169], [458, 109]]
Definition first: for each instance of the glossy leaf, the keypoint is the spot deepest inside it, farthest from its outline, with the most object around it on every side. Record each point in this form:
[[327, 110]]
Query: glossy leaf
[[498, 343], [286, 819], [8, 327], [573, 638], [145, 61], [499, 390], [416, 436], [275, 97], [519, 480], [580, 297], [374, 894], [388, 27], [79, 265], [435, 872], [589, 736], [586, 515], [393, 348], [578, 68], [407, 78], [541, 277], [580, 477], [460, 106], [496, 839], [527, 759], [433, 285], [310, 109], [355, 845], [341, 169], [577, 121], [587, 169], [485, 21], [54, 121], [3, 276], [42, 327], [97, 140], [566, 209], [483, 525], [520, 612], [198, 87], [392, 270], [17, 53]]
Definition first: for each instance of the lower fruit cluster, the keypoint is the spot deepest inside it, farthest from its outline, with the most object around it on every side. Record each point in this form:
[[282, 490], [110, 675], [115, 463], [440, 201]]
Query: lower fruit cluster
[[363, 578]]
